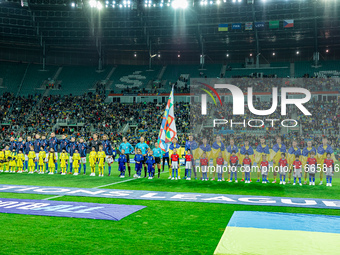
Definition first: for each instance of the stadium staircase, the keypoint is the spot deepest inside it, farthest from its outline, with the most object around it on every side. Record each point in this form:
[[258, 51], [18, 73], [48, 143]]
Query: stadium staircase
[[55, 77], [292, 69], [22, 80], [223, 69], [125, 128], [106, 81], [108, 77], [160, 75]]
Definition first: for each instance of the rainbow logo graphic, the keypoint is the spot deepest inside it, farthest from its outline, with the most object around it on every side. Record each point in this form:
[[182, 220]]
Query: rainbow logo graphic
[[209, 93]]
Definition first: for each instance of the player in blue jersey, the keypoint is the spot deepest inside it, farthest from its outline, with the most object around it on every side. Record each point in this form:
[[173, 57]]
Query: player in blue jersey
[[128, 148], [27, 149], [144, 149], [109, 151], [53, 143], [139, 163], [121, 163], [194, 150], [167, 159], [157, 153], [150, 161], [95, 142], [72, 147], [82, 148], [12, 144]]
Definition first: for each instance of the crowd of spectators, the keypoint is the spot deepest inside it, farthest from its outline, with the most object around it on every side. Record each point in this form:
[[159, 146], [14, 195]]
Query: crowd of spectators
[[25, 115]]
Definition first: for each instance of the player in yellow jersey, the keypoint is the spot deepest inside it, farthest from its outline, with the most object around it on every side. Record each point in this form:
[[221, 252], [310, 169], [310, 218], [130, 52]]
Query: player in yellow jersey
[[101, 161], [76, 158], [13, 161], [7, 155], [20, 160], [63, 161], [31, 160], [322, 152], [41, 160], [93, 161], [51, 159], [2, 159]]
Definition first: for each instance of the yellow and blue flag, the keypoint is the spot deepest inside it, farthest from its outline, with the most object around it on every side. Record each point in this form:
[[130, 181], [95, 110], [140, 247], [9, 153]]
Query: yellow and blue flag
[[261, 150], [245, 150], [289, 233], [275, 153], [306, 154], [322, 153]]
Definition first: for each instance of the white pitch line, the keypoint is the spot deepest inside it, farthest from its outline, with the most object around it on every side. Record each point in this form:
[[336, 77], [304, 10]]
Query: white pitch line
[[94, 188], [114, 183], [51, 197]]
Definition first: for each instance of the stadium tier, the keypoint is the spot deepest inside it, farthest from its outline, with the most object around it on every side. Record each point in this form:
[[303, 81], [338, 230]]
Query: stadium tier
[[77, 80], [36, 79], [11, 75], [323, 70]]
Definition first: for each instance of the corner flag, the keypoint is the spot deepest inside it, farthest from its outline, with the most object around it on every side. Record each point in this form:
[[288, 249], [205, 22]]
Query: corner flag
[[168, 129]]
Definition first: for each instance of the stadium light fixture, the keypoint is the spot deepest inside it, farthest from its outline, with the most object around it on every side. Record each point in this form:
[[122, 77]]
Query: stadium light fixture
[[273, 53], [179, 55], [298, 52], [93, 3], [227, 55], [179, 4], [327, 51], [73, 5], [99, 5], [251, 54]]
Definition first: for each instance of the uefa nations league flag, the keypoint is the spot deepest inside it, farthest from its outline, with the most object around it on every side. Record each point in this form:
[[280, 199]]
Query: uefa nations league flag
[[168, 128]]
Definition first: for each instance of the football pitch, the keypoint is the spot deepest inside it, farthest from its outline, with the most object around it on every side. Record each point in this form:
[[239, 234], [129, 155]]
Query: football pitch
[[163, 227]]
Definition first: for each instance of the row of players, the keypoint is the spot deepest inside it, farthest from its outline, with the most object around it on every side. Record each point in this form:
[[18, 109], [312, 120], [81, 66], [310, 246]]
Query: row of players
[[98, 158], [263, 168], [14, 162], [212, 151], [273, 155]]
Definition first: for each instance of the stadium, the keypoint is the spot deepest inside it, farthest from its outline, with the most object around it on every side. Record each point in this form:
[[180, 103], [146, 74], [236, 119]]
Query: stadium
[[170, 126]]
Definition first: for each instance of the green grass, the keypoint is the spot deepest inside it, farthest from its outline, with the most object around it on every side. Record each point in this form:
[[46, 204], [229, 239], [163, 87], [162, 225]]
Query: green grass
[[163, 227]]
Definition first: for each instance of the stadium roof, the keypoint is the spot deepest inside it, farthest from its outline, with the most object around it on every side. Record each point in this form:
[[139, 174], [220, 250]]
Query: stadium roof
[[125, 27]]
